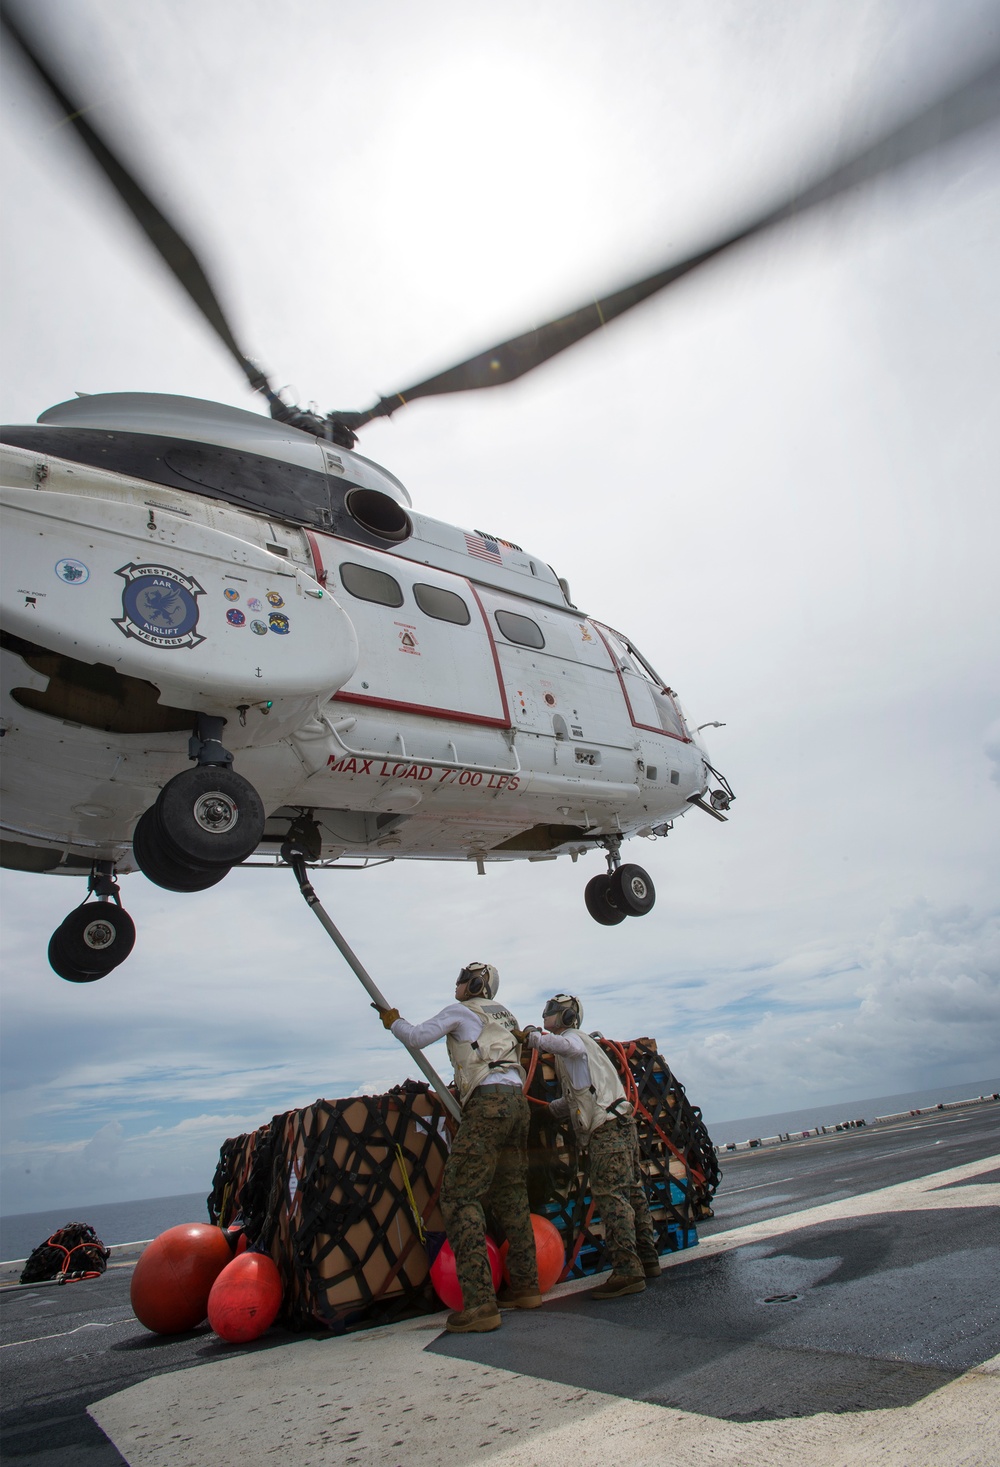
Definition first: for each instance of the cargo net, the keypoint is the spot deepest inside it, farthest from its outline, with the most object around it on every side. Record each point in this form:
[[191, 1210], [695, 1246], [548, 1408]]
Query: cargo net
[[679, 1168], [344, 1194], [73, 1252]]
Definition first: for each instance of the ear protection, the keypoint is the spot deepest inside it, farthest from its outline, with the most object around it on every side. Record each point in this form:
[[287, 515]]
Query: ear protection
[[569, 1017]]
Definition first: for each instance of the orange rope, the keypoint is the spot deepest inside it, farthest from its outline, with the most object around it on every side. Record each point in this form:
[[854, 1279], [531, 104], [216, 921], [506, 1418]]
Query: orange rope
[[87, 1274], [532, 1067], [632, 1094]]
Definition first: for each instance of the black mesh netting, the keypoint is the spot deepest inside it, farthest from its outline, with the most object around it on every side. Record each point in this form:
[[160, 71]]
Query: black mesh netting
[[74, 1251]]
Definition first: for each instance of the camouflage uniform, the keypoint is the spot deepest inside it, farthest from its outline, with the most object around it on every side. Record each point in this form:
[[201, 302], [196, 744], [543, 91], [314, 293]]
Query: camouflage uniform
[[488, 1167], [620, 1201]]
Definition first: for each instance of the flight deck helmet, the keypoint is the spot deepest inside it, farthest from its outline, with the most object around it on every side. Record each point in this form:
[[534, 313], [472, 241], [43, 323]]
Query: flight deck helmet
[[482, 980], [567, 1009]]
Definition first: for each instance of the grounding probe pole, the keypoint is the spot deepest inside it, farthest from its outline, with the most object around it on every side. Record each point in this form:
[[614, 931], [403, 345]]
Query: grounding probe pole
[[296, 859]]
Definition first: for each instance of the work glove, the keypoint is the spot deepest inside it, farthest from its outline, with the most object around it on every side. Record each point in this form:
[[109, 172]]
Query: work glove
[[388, 1016], [521, 1035]]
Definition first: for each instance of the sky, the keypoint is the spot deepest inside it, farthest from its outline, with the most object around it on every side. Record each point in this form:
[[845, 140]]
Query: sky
[[779, 478]]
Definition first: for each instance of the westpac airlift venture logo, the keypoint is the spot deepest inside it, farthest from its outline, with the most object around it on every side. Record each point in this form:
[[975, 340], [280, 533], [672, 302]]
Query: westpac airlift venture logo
[[159, 606]]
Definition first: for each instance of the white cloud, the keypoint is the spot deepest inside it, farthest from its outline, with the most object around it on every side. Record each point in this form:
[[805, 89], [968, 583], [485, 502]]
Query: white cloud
[[991, 749], [921, 1007]]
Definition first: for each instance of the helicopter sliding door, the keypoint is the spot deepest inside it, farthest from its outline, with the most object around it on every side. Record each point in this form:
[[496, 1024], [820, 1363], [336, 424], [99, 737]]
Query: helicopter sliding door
[[561, 682], [425, 646]]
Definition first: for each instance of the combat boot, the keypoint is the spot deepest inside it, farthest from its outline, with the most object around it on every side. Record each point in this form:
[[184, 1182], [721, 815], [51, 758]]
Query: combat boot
[[479, 1320], [519, 1296], [619, 1284], [651, 1267]]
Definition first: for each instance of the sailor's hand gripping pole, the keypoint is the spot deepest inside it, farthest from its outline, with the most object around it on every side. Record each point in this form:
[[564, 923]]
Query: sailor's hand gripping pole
[[297, 860]]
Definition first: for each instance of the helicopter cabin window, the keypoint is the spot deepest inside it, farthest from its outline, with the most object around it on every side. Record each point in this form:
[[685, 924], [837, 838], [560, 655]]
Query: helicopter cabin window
[[370, 585], [520, 629], [442, 605]]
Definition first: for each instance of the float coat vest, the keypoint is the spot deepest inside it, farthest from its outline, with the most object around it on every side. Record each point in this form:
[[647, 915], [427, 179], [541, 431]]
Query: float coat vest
[[495, 1050], [602, 1100]]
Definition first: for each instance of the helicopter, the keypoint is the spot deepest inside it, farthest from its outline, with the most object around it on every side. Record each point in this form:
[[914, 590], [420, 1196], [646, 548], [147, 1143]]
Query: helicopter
[[193, 584]]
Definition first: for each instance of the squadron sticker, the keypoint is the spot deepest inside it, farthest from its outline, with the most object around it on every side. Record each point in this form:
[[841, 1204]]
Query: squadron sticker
[[235, 617], [73, 572], [279, 623], [159, 606]]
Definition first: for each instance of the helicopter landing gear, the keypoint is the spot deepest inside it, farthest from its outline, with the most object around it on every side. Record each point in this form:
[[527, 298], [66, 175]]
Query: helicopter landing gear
[[149, 847], [96, 938], [204, 821], [597, 895], [632, 891], [626, 891], [210, 816]]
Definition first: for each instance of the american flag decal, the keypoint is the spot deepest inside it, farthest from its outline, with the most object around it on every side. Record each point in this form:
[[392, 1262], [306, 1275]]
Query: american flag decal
[[483, 548]]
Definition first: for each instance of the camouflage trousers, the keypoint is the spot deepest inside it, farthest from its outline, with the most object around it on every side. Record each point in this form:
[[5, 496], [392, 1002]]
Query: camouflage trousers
[[488, 1169], [620, 1201]]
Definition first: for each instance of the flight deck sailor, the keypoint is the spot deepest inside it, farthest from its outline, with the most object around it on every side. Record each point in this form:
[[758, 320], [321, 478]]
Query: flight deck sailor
[[488, 1164], [594, 1100]]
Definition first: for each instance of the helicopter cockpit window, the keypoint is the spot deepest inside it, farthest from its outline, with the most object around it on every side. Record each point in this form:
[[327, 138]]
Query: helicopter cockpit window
[[442, 605], [370, 585], [520, 629]]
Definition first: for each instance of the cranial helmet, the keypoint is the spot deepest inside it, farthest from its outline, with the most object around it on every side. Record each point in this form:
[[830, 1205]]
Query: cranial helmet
[[568, 1009], [482, 978]]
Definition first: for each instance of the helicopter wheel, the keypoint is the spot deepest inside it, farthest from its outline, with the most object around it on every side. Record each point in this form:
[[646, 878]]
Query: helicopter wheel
[[159, 866], [597, 895], [209, 816], [632, 891], [91, 941]]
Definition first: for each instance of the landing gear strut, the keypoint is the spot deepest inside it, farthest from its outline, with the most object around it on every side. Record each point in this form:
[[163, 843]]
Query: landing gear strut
[[205, 820], [625, 891], [94, 938]]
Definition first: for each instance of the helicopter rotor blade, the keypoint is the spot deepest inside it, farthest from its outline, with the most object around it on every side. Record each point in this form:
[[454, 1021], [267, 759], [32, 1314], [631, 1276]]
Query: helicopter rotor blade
[[971, 105], [168, 241]]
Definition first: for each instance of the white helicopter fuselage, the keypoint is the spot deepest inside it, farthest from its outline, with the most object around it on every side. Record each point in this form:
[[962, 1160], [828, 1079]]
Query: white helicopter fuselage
[[421, 691]]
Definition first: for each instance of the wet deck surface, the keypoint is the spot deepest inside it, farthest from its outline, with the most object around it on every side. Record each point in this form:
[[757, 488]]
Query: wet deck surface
[[842, 1315], [851, 1316]]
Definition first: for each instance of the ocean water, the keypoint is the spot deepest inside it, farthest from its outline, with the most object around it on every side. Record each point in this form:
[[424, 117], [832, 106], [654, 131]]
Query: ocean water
[[113, 1222], [131, 1222]]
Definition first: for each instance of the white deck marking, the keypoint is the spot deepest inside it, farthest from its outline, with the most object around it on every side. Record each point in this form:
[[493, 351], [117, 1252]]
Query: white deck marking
[[91, 1324], [735, 1191]]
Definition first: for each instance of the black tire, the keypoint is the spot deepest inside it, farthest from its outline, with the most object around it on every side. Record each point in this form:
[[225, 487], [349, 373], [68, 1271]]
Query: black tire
[[95, 938], [59, 965], [158, 866], [597, 895], [632, 891], [210, 816]]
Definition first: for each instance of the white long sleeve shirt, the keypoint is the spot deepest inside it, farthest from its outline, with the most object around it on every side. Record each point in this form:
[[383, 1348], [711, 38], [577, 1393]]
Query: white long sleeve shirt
[[455, 1019], [572, 1051]]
